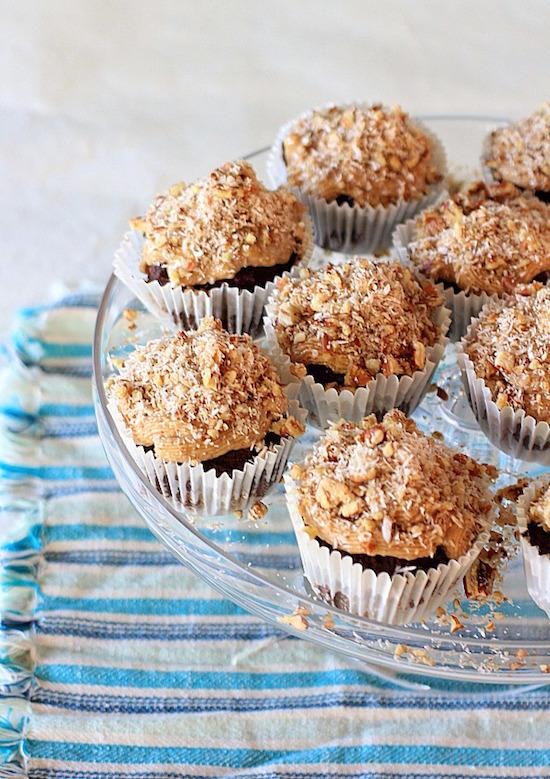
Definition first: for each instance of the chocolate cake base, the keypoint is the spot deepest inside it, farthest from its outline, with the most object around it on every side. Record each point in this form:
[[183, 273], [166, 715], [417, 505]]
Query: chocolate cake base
[[246, 278], [389, 565], [324, 375], [538, 537]]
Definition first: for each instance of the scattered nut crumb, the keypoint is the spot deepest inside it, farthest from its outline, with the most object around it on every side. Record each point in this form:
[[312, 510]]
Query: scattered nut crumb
[[297, 619], [490, 626], [400, 649], [521, 653], [456, 624], [257, 511], [328, 622]]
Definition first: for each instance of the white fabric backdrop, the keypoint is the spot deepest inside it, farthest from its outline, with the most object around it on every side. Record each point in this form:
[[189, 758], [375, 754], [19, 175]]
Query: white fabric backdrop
[[104, 102]]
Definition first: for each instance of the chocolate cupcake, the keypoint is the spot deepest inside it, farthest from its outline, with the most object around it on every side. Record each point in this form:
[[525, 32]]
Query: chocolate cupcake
[[364, 337], [388, 520], [520, 153], [534, 526], [506, 372], [215, 247], [360, 169], [207, 416], [480, 243]]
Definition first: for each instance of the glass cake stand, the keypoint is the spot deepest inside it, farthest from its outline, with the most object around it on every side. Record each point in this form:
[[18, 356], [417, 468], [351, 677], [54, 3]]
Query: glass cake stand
[[257, 565]]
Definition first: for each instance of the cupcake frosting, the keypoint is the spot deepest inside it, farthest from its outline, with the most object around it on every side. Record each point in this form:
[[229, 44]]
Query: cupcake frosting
[[209, 230], [196, 395], [493, 248], [385, 488], [538, 510], [358, 319], [440, 217], [520, 152], [367, 156], [509, 347]]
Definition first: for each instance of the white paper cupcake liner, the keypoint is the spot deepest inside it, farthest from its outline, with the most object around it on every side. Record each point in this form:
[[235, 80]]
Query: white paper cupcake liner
[[201, 490], [353, 229], [462, 305], [240, 311], [535, 564], [382, 394], [396, 600], [511, 431]]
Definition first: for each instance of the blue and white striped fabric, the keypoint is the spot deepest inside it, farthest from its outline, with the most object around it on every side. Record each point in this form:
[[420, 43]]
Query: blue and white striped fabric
[[117, 662]]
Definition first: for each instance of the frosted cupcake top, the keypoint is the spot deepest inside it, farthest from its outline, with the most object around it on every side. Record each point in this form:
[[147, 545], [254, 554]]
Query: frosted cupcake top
[[364, 156], [538, 510], [492, 247], [196, 395], [359, 319], [385, 488], [509, 347], [210, 229], [520, 152]]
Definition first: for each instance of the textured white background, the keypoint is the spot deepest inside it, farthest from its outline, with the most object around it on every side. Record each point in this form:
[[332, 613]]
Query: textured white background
[[104, 102]]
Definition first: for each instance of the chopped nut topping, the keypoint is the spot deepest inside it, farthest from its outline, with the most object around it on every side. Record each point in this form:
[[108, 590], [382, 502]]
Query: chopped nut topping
[[520, 152], [363, 498], [373, 156], [474, 194], [209, 230], [197, 395], [510, 349], [487, 245], [358, 319]]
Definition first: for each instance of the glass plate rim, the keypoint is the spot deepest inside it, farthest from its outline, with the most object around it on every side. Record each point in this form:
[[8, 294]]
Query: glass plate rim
[[389, 631]]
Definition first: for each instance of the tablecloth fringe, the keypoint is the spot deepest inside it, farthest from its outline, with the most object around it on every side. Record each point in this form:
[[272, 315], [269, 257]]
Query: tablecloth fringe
[[20, 554]]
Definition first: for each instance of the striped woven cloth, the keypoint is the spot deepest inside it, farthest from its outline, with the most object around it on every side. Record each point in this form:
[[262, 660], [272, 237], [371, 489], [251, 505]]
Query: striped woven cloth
[[117, 662]]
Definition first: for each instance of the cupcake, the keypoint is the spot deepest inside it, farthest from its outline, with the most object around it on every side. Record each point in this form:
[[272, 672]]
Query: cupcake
[[534, 526], [520, 153], [505, 366], [215, 247], [388, 520], [363, 336], [479, 243], [207, 417], [360, 169]]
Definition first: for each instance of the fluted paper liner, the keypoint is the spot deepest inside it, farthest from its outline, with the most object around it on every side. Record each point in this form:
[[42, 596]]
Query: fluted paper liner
[[354, 229], [535, 564], [463, 305], [395, 600], [240, 310], [382, 394], [510, 430]]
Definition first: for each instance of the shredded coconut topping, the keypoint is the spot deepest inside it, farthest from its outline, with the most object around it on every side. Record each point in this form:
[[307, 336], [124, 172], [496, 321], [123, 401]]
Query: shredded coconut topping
[[539, 510], [474, 194], [521, 152], [510, 349], [373, 156], [209, 230], [491, 248], [358, 319], [388, 489], [199, 394]]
